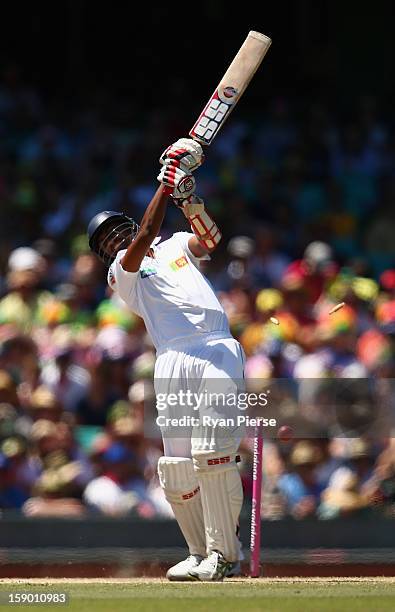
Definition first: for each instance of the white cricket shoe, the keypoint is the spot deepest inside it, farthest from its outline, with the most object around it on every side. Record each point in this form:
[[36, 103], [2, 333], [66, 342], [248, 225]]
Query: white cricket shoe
[[213, 568], [181, 570]]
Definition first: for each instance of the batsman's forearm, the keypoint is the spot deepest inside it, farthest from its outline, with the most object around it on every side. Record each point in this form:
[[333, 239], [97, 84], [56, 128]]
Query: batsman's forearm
[[154, 215], [149, 229]]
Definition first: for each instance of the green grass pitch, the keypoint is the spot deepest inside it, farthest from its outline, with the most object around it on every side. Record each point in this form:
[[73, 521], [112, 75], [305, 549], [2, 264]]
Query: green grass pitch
[[243, 595]]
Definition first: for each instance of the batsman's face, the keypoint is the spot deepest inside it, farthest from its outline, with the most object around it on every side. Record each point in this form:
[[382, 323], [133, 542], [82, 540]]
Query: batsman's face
[[111, 241]]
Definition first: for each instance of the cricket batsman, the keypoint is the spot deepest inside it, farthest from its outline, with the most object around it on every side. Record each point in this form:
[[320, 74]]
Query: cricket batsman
[[162, 283]]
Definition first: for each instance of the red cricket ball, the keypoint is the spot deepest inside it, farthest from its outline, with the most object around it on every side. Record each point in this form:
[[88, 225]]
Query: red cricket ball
[[285, 433]]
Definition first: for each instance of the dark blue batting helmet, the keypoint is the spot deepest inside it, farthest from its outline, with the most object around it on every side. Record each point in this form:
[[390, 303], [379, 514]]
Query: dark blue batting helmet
[[110, 232]]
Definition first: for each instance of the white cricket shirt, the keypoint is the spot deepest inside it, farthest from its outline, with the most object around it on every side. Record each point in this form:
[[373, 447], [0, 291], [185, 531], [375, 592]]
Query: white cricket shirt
[[170, 293]]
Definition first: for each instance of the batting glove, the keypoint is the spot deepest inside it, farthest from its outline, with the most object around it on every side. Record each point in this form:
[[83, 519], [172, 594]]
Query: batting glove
[[186, 151], [179, 183]]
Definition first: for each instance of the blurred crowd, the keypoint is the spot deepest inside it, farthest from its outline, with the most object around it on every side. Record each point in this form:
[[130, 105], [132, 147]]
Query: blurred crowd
[[304, 197]]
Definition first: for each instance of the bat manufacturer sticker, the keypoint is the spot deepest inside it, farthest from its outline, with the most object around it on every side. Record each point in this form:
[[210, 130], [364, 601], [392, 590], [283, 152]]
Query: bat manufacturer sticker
[[211, 119], [228, 95]]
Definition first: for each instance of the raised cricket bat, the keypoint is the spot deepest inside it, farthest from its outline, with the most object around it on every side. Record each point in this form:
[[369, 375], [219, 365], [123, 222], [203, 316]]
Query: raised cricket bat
[[231, 87]]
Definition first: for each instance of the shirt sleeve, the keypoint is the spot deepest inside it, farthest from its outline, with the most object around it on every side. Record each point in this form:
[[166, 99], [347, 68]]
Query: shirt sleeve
[[183, 239], [120, 280]]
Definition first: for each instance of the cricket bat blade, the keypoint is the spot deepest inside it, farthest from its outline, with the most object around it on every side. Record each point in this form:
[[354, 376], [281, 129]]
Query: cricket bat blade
[[231, 87]]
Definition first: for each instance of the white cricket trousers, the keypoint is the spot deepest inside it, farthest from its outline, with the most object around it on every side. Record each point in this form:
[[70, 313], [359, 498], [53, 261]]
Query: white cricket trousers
[[196, 379]]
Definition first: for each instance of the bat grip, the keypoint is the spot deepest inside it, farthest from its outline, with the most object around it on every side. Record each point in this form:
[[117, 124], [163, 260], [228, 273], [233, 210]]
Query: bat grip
[[167, 190]]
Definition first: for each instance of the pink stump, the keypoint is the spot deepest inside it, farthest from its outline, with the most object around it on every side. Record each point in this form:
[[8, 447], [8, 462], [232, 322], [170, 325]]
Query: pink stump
[[255, 544]]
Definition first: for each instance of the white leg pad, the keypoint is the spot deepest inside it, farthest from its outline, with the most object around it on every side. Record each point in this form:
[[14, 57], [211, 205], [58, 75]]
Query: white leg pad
[[222, 497], [181, 488]]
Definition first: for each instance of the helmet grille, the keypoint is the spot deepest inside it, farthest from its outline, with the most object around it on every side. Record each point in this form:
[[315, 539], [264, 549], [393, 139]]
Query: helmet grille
[[117, 237]]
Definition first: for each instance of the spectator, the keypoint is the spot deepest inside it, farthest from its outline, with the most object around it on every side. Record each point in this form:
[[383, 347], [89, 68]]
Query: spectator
[[305, 206], [119, 488], [299, 486], [348, 485], [56, 494]]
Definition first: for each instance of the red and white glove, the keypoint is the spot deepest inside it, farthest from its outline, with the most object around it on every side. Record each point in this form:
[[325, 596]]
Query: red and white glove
[[203, 226], [186, 151], [178, 183]]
